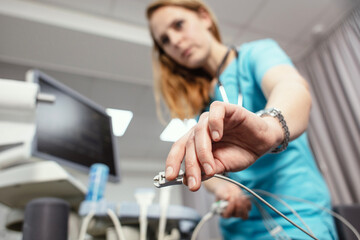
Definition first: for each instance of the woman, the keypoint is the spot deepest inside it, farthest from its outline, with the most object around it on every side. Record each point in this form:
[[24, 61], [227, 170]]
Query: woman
[[197, 75]]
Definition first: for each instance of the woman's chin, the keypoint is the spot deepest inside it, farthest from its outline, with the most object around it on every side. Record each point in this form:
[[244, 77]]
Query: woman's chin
[[193, 64]]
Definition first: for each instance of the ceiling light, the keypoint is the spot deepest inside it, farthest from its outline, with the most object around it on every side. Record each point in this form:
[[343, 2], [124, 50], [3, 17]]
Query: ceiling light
[[120, 120], [176, 129]]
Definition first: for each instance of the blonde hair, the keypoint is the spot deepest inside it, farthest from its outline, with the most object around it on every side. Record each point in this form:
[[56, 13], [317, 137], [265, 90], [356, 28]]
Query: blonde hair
[[185, 91]]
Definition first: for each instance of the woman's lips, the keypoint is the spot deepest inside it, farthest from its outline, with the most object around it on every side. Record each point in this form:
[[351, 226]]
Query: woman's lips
[[186, 53]]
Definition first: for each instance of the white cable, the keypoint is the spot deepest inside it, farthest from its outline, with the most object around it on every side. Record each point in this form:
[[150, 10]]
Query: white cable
[[117, 224], [223, 93], [85, 224], [144, 197], [265, 202], [275, 230], [216, 208], [203, 220], [334, 214], [285, 204], [164, 203]]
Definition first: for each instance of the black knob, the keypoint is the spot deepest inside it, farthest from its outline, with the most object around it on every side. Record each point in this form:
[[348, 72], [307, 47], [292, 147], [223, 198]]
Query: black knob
[[46, 219]]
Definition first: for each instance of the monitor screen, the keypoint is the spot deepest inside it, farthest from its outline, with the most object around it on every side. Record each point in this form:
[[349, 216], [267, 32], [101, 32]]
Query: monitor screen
[[72, 130]]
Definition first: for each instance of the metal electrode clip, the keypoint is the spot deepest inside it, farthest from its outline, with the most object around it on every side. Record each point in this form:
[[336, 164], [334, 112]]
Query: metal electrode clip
[[160, 180]]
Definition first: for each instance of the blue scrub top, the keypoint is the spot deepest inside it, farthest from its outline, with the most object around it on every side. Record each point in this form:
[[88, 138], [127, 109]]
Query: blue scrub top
[[292, 172]]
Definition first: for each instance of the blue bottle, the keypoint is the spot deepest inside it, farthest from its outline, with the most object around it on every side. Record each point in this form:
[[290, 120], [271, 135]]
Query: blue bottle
[[97, 181]]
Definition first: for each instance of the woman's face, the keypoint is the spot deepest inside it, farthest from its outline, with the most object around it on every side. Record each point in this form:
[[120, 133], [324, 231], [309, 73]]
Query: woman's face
[[183, 34]]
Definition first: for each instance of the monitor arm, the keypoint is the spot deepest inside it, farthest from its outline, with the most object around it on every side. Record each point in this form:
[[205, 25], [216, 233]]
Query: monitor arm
[[17, 120]]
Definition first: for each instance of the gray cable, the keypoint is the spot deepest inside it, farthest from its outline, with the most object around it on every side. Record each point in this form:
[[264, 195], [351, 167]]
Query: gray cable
[[265, 202], [259, 191], [275, 230], [336, 215]]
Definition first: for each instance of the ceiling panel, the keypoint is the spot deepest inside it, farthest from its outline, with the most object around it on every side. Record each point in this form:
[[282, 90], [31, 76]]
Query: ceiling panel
[[74, 51], [235, 11], [91, 6], [249, 34], [132, 11], [288, 18], [121, 95]]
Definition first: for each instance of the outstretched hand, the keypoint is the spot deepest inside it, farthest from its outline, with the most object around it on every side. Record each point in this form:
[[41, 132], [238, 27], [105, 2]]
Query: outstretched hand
[[239, 204], [227, 138]]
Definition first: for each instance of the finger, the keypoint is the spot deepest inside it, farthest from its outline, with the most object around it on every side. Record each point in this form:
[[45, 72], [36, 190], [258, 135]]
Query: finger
[[228, 212], [192, 166], [244, 215], [249, 205], [245, 208], [246, 202], [218, 113], [203, 146], [175, 158], [216, 120], [241, 210]]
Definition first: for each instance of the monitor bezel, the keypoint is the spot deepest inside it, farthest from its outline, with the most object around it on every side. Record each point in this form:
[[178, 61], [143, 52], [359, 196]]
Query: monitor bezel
[[34, 75]]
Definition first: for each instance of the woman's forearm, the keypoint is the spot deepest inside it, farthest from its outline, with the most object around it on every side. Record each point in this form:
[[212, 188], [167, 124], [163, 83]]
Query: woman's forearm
[[287, 91]]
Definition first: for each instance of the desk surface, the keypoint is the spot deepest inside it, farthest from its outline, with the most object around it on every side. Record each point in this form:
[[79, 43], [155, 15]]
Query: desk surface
[[130, 211]]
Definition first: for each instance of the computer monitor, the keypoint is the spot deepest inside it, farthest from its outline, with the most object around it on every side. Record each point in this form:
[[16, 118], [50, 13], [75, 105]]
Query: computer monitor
[[73, 130]]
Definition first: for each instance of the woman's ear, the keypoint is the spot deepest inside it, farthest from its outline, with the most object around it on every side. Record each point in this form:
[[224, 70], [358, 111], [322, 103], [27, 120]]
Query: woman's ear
[[205, 18]]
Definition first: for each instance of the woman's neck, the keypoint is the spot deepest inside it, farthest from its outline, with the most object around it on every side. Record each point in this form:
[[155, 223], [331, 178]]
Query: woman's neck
[[216, 56]]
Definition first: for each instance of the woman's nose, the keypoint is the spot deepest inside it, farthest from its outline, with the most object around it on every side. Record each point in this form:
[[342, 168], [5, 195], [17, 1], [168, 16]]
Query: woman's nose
[[175, 39]]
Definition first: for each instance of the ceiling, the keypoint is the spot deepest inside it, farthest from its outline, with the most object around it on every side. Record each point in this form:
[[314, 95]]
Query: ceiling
[[102, 48]]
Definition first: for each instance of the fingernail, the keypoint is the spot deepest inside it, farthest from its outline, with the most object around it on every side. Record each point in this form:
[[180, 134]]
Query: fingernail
[[169, 171], [215, 135], [191, 182], [208, 169]]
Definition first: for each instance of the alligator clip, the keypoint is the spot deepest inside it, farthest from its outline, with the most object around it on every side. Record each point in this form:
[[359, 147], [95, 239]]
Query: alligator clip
[[160, 180]]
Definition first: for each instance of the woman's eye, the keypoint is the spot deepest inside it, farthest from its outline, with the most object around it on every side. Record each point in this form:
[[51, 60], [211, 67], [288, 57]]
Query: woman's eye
[[179, 24], [164, 40]]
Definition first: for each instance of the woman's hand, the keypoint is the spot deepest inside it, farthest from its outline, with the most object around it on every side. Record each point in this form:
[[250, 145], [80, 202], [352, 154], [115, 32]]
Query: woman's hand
[[227, 138], [239, 204]]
